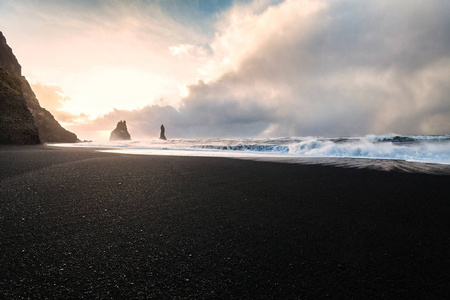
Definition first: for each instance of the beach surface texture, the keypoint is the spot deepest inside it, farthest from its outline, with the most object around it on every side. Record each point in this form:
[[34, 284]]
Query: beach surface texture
[[78, 223]]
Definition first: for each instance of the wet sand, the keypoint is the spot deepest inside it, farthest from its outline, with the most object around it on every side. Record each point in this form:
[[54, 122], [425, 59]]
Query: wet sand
[[76, 223]]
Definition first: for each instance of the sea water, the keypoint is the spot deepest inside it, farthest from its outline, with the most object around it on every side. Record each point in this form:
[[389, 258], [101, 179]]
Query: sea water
[[423, 149]]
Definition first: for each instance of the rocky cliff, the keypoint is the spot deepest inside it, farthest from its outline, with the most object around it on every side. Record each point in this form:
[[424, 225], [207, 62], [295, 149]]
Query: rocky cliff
[[16, 121], [120, 133], [50, 131]]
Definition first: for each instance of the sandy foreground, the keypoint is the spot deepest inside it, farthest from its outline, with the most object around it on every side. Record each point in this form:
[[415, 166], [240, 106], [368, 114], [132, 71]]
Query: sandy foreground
[[77, 223]]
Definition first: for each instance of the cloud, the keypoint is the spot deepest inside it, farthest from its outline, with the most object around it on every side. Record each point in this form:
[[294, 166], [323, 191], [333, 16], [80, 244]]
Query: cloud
[[50, 96], [184, 51], [53, 98], [142, 123], [307, 67], [79, 45], [339, 68], [317, 68]]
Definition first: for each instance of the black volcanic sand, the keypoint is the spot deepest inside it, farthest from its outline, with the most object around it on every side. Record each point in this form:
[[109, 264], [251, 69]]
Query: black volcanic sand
[[76, 223]]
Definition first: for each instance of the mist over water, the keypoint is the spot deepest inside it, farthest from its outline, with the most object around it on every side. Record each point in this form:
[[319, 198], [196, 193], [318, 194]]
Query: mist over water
[[384, 152]]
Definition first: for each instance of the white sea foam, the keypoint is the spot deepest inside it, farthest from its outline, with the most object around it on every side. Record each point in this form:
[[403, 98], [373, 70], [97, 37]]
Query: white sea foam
[[427, 149]]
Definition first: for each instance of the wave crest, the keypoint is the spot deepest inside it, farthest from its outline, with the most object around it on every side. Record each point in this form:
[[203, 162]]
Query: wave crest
[[428, 149]]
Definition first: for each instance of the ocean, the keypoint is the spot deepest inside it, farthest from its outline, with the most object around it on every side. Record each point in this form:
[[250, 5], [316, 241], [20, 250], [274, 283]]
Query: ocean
[[417, 148]]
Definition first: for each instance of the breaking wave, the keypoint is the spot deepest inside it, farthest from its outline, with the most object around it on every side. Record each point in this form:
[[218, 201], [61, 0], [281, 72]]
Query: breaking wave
[[426, 149]]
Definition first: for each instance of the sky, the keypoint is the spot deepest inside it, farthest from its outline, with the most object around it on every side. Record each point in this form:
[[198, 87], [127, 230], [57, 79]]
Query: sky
[[255, 68]]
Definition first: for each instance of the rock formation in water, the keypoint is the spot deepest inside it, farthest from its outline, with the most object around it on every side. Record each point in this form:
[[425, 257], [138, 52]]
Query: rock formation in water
[[13, 83], [162, 135], [120, 133]]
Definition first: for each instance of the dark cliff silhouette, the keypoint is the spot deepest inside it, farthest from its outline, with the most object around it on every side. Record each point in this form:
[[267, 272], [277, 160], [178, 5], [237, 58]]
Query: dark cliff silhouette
[[15, 123], [120, 133], [162, 136]]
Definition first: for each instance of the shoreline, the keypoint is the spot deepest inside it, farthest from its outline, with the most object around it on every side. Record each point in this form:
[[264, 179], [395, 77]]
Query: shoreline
[[82, 223], [367, 151], [381, 164]]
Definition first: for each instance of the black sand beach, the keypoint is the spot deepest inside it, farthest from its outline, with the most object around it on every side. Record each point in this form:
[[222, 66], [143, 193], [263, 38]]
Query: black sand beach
[[76, 223]]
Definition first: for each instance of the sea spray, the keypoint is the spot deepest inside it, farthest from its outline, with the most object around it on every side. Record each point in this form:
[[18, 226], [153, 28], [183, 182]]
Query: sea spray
[[428, 149]]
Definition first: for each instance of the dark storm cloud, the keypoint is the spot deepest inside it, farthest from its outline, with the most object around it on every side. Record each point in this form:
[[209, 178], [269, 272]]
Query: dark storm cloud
[[346, 68]]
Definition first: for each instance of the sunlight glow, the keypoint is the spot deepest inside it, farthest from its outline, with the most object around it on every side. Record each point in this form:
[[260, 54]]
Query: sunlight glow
[[120, 87], [184, 91]]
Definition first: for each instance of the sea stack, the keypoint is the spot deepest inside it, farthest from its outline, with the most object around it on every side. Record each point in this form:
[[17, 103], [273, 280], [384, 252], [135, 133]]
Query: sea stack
[[120, 133], [162, 135], [18, 102]]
